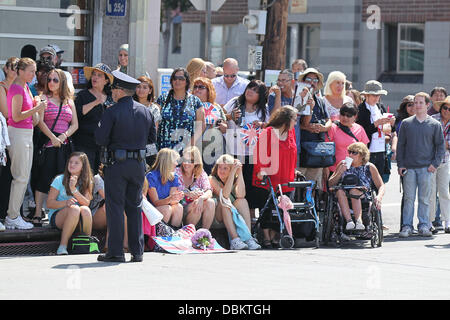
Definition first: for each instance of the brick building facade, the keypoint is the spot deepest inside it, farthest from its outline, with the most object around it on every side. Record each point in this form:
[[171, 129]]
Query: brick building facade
[[409, 51]]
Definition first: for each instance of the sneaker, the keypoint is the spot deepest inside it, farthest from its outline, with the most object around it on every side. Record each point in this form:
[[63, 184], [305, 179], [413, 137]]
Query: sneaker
[[252, 244], [405, 233], [359, 226], [62, 251], [238, 244], [17, 223], [438, 225], [350, 225], [424, 232], [2, 227]]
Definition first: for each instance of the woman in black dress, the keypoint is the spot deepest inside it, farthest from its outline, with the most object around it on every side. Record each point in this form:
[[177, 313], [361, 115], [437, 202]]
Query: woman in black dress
[[90, 104]]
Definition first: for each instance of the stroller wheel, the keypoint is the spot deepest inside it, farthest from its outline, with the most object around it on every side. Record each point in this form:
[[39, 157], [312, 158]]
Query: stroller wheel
[[287, 242]]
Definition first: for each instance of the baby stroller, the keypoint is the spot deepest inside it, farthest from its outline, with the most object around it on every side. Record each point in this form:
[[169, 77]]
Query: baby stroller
[[303, 216], [334, 224]]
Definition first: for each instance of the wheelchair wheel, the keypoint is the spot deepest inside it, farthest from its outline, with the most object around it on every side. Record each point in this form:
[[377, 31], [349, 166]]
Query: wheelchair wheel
[[377, 229], [328, 222], [379, 223], [287, 242]]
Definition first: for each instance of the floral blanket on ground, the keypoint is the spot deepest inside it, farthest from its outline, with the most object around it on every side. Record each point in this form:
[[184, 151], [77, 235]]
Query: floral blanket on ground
[[181, 242]]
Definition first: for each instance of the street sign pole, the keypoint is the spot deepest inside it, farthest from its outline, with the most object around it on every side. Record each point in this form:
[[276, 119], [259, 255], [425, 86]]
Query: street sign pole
[[209, 6], [208, 30]]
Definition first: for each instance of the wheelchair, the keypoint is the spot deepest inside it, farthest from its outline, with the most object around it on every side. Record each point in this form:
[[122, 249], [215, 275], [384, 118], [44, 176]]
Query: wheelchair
[[333, 229], [305, 221]]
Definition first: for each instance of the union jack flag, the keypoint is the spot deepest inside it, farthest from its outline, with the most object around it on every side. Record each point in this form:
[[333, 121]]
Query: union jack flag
[[249, 134], [212, 114]]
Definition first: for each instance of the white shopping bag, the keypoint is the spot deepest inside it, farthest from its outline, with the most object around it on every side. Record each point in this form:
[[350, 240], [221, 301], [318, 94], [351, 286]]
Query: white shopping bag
[[152, 214]]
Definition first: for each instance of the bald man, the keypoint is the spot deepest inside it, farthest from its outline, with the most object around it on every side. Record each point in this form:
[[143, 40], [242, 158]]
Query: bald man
[[229, 85]]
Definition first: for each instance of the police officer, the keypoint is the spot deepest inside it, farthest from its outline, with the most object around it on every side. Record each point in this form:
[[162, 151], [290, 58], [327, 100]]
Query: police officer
[[125, 129]]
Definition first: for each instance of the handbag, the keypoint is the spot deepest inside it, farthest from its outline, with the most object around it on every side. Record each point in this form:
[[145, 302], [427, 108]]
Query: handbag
[[41, 150], [317, 154]]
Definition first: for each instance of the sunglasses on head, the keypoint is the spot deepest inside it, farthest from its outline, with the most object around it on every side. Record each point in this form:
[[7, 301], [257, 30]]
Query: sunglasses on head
[[254, 89], [55, 80], [229, 76], [200, 87]]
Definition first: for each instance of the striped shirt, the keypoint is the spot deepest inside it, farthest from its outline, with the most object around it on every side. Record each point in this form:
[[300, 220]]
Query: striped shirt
[[446, 130], [64, 120]]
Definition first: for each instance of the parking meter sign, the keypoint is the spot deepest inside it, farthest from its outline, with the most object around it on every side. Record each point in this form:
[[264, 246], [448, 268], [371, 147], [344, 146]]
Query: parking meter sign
[[116, 8], [255, 58]]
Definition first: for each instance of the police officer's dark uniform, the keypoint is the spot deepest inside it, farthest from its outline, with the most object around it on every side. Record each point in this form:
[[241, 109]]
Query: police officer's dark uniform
[[125, 129]]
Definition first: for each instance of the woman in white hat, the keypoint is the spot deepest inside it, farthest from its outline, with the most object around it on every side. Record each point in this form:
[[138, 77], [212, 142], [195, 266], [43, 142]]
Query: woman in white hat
[[372, 117], [90, 104]]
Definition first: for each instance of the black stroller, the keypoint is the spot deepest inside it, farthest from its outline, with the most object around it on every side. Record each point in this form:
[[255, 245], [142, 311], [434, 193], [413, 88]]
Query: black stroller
[[304, 219]]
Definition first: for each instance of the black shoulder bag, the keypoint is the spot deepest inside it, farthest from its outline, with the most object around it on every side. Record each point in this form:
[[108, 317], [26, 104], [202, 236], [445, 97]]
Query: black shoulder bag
[[41, 150], [347, 131], [317, 154]]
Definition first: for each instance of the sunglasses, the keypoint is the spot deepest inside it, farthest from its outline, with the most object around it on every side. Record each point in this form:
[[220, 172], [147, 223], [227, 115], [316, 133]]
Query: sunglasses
[[200, 87], [410, 105], [355, 153], [229, 76], [348, 115], [180, 78], [445, 108], [55, 80], [312, 80]]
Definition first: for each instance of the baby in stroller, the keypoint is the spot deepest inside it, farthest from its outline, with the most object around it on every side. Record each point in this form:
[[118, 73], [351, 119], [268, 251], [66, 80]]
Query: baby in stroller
[[360, 173]]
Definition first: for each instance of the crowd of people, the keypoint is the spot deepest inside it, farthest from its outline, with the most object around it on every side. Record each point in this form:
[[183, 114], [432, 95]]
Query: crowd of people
[[218, 136]]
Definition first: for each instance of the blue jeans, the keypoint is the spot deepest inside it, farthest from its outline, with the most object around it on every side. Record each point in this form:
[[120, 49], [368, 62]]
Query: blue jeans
[[417, 179]]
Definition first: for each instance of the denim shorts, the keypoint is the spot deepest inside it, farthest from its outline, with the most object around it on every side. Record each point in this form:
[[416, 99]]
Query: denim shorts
[[53, 220]]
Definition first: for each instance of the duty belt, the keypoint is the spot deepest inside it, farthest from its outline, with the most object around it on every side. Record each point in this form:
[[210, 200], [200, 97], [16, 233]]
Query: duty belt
[[122, 155]]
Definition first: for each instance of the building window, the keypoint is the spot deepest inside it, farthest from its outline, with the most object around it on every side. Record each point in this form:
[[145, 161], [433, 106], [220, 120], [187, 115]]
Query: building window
[[303, 42], [44, 22], [176, 38], [224, 42], [410, 54], [311, 44]]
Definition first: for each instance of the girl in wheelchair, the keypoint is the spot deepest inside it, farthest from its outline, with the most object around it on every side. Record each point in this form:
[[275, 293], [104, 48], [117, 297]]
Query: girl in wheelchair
[[360, 173]]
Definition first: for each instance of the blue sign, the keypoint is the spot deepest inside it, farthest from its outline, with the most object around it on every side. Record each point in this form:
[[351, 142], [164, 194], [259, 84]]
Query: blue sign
[[116, 8]]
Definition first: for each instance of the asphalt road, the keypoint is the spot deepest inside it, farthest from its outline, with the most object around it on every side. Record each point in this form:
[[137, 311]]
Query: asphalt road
[[414, 268]]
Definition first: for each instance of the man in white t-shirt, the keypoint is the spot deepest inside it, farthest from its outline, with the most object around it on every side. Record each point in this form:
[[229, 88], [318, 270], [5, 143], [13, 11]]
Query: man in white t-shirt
[[229, 85]]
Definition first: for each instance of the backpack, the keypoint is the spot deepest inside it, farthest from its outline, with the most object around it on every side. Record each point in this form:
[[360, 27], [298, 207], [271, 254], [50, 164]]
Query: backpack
[[83, 244]]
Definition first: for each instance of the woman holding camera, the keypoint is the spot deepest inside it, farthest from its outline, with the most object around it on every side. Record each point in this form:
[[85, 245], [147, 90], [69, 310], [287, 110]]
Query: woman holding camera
[[194, 181], [249, 115]]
